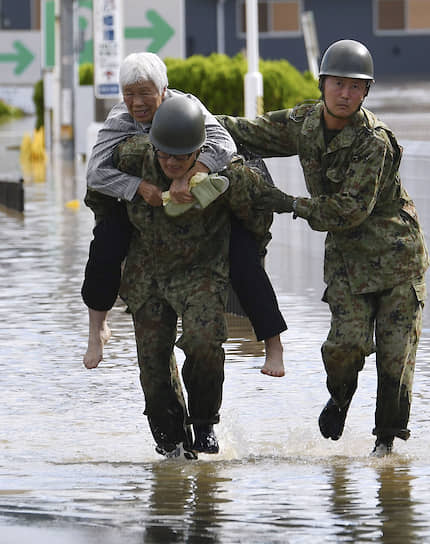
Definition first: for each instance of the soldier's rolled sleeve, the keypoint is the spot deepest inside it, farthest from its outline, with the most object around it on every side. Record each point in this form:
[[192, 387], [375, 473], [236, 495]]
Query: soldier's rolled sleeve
[[270, 135]]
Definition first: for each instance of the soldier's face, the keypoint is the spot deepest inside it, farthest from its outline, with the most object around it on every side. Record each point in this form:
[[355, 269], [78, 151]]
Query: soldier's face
[[142, 100], [176, 166], [343, 96]]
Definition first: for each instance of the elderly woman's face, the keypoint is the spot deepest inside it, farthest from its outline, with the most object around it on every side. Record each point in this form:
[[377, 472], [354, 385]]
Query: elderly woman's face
[[142, 100]]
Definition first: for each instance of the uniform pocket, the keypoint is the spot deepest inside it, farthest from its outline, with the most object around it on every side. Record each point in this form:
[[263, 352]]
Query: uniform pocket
[[420, 290]]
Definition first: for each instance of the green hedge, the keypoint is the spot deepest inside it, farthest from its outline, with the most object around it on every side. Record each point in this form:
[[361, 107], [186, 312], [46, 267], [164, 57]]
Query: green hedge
[[86, 73], [7, 111], [38, 103], [218, 81]]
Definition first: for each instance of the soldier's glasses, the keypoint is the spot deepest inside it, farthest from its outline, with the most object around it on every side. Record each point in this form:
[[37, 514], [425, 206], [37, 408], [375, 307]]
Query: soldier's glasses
[[164, 156]]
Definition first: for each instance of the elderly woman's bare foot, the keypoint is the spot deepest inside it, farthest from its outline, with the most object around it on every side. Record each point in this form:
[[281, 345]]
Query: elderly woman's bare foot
[[99, 334], [274, 364]]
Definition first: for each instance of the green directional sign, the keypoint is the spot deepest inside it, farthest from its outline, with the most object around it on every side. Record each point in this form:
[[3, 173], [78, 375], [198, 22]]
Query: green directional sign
[[159, 32], [22, 57], [85, 30], [48, 26]]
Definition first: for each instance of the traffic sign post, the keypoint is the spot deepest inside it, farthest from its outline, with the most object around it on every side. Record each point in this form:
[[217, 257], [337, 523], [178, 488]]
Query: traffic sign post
[[107, 24], [106, 31]]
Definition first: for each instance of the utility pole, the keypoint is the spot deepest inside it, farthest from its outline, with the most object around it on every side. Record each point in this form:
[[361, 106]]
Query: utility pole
[[253, 78], [65, 76]]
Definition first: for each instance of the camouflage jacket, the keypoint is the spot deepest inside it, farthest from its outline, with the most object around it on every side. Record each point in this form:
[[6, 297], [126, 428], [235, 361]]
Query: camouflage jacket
[[355, 192], [175, 254]]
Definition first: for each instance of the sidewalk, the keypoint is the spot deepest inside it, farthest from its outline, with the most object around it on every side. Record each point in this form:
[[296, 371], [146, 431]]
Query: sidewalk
[[404, 106], [399, 96]]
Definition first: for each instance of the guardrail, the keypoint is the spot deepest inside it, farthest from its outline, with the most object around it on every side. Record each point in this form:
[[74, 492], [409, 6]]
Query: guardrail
[[12, 194]]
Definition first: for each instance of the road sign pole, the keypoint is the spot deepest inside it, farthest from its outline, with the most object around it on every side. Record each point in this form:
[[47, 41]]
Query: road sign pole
[[253, 78], [56, 80], [64, 79], [67, 78]]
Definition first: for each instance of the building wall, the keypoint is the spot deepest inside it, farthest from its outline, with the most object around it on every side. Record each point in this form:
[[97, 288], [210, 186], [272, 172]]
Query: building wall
[[394, 54]]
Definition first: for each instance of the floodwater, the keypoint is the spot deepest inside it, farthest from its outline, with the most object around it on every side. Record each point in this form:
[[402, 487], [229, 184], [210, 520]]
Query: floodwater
[[77, 461]]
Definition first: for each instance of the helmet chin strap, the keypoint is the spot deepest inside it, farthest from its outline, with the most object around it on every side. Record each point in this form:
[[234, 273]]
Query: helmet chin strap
[[341, 116], [195, 159]]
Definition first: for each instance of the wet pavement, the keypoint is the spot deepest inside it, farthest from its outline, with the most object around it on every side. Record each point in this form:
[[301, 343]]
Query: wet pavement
[[77, 461], [404, 106]]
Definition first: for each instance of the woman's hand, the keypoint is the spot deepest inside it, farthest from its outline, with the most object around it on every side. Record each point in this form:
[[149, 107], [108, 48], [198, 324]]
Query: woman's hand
[[179, 189]]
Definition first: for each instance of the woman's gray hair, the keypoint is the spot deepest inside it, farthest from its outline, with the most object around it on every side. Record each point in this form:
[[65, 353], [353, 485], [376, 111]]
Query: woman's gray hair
[[139, 67]]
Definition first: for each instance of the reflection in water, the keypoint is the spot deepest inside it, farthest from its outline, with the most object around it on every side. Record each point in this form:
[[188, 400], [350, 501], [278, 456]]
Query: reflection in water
[[183, 504], [397, 509], [77, 461], [373, 504]]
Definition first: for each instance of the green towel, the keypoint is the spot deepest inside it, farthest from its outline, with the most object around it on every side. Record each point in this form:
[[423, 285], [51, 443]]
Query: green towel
[[204, 187], [210, 189]]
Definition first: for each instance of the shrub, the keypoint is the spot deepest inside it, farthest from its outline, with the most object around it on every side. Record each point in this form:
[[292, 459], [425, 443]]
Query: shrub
[[86, 73], [7, 111], [38, 103], [218, 81]]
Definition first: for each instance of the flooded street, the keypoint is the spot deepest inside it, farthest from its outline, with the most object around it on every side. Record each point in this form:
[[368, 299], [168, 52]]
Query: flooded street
[[77, 460]]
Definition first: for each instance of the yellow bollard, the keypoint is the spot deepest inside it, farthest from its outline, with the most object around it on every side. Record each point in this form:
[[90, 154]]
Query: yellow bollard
[[33, 156], [73, 204]]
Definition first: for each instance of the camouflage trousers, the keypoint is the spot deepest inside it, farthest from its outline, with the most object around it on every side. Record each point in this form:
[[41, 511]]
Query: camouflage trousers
[[388, 323], [203, 333]]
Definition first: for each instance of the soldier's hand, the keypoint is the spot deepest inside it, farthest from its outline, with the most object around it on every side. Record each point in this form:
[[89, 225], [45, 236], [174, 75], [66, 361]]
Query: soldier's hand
[[150, 193], [274, 200]]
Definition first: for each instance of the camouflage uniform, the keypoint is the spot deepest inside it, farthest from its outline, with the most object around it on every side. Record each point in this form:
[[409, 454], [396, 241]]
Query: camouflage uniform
[[178, 266], [375, 253]]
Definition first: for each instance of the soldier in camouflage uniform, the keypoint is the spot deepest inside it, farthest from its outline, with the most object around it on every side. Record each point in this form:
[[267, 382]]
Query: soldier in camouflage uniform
[[375, 253], [178, 266], [144, 84]]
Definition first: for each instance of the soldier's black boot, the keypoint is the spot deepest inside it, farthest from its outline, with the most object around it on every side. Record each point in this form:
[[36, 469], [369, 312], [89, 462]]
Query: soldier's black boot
[[383, 446], [332, 420], [177, 450], [205, 439]]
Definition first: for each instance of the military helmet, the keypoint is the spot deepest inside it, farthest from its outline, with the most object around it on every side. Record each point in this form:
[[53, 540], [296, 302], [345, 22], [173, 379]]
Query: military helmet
[[178, 126], [347, 58]]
